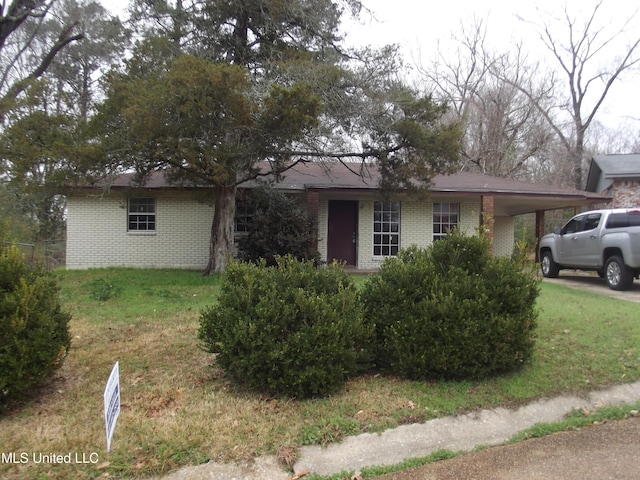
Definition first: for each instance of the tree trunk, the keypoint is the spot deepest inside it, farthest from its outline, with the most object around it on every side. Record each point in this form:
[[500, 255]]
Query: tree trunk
[[221, 245], [578, 154]]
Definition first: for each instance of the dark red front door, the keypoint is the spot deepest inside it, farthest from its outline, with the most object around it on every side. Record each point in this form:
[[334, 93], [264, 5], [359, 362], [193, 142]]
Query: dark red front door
[[342, 231]]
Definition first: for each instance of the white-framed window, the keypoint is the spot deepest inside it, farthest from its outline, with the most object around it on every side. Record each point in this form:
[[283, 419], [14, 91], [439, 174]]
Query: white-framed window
[[244, 216], [386, 228], [446, 217], [141, 215]]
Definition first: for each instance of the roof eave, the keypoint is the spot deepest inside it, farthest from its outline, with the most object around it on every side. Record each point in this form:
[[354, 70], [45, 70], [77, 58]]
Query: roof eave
[[626, 175]]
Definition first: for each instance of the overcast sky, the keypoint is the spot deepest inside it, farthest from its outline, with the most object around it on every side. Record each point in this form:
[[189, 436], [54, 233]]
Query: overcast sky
[[418, 26]]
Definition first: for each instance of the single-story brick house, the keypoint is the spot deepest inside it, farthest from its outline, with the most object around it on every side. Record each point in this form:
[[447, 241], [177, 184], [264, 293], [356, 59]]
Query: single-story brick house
[[163, 225], [616, 176]]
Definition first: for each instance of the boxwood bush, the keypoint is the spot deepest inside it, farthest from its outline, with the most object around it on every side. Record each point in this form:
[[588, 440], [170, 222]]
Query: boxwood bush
[[452, 311], [292, 329], [35, 335]]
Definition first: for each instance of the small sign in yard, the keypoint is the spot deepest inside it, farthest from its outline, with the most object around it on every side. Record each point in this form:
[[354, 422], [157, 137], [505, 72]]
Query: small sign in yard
[[112, 402]]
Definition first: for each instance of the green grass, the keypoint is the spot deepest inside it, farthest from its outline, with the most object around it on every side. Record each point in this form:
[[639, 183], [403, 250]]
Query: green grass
[[179, 409], [577, 419], [134, 294]]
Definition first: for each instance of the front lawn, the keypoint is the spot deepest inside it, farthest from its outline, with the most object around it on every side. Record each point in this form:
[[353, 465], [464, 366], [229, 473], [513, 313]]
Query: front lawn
[[177, 408]]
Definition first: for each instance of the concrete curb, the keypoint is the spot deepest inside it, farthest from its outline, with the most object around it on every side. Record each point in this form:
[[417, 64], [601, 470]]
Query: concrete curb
[[456, 433]]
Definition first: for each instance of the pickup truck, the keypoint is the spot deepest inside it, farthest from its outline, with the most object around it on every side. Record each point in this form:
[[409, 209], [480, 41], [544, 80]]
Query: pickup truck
[[604, 241]]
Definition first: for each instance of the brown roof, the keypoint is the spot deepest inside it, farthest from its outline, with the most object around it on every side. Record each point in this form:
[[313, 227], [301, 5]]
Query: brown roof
[[336, 176]]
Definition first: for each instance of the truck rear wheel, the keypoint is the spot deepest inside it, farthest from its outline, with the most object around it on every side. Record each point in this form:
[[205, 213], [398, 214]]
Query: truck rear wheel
[[550, 269], [618, 276]]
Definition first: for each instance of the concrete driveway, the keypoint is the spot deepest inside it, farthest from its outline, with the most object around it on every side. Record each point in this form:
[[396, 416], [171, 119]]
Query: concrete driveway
[[592, 283]]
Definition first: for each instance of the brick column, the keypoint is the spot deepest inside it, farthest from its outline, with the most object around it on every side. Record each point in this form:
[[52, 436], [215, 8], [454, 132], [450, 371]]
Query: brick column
[[539, 230], [487, 218], [313, 211]]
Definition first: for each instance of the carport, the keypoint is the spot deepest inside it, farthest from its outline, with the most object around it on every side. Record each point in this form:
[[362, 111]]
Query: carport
[[508, 197]]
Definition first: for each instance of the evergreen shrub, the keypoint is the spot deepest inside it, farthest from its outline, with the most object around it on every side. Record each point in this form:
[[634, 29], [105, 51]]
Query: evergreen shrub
[[276, 226], [292, 329], [452, 311], [35, 336]]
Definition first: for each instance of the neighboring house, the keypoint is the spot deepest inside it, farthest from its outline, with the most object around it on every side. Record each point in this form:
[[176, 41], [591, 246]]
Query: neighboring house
[[616, 176], [160, 225]]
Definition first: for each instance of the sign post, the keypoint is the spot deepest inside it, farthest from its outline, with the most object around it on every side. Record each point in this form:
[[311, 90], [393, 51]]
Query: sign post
[[112, 402]]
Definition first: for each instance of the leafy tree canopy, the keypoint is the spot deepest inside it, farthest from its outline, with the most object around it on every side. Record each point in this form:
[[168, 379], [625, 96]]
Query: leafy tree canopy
[[203, 122], [35, 156], [229, 85]]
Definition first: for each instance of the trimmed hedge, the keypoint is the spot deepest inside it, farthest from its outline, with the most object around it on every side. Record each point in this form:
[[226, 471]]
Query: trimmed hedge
[[292, 329], [452, 311], [35, 336]]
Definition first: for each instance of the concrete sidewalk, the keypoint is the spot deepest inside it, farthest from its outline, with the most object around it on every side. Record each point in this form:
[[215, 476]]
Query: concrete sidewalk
[[545, 458], [606, 451], [458, 433]]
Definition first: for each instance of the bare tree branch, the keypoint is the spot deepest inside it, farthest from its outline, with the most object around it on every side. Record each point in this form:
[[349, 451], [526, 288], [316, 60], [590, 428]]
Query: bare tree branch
[[584, 45], [20, 12], [503, 129]]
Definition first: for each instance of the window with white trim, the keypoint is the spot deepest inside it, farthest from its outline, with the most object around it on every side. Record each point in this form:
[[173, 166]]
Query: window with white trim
[[386, 228], [243, 216], [446, 217], [141, 216]]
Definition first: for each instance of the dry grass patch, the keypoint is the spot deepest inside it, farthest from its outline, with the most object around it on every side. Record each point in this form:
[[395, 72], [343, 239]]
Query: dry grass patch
[[174, 410]]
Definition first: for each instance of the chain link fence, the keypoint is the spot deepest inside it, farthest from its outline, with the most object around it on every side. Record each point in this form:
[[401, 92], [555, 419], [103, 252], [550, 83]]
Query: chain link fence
[[51, 253]]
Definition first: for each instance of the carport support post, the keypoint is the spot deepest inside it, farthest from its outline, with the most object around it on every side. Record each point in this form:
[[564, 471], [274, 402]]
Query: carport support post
[[313, 212], [539, 231], [487, 219]]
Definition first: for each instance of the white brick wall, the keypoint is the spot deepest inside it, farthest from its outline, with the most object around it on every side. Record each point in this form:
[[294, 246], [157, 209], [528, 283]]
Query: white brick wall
[[97, 233], [97, 230], [366, 260], [416, 225], [323, 226], [503, 235]]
